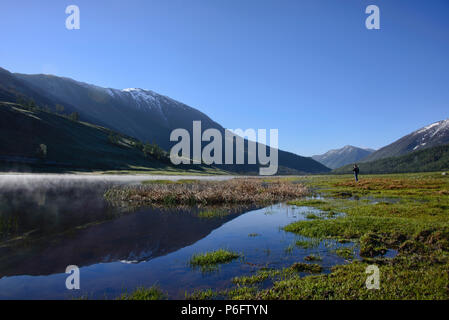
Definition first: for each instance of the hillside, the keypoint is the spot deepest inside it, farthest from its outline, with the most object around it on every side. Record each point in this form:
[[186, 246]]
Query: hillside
[[435, 134], [70, 145], [138, 113], [431, 159], [339, 157]]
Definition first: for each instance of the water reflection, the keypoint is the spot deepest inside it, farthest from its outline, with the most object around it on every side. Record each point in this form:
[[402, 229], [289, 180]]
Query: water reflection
[[53, 228], [45, 229]]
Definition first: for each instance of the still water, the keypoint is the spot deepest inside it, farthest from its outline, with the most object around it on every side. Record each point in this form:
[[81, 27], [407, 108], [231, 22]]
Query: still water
[[49, 222]]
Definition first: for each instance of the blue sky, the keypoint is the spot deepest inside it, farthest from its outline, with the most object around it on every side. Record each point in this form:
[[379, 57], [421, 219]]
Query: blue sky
[[309, 68]]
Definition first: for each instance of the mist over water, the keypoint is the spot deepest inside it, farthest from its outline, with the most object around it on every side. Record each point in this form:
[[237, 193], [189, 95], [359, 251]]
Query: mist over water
[[11, 181]]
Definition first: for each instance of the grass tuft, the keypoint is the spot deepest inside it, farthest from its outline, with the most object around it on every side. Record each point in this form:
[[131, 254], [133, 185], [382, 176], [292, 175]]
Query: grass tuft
[[210, 260], [306, 267], [152, 293]]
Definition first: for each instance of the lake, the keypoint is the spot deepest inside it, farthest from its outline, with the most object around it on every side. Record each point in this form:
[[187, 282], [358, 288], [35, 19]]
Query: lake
[[48, 222]]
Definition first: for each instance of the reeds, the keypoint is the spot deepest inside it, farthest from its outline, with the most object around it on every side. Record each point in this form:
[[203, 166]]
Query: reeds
[[236, 191]]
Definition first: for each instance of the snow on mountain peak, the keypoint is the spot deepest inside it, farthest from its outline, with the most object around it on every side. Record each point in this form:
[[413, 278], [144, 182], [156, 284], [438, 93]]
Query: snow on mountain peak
[[434, 128], [145, 98], [428, 134]]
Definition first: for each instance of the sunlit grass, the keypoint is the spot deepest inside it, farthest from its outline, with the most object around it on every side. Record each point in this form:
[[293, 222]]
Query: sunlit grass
[[405, 212], [235, 191], [209, 261]]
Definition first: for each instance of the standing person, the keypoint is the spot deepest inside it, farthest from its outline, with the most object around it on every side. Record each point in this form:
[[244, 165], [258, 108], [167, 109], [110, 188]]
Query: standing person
[[356, 172]]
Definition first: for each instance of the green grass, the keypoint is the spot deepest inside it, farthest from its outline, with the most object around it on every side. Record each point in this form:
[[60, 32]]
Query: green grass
[[345, 252], [210, 260], [207, 294], [152, 293], [213, 213], [312, 216], [307, 244], [259, 277], [306, 203], [306, 267], [401, 279]]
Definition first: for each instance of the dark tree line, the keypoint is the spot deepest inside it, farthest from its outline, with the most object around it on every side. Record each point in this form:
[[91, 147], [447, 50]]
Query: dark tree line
[[30, 104], [150, 150]]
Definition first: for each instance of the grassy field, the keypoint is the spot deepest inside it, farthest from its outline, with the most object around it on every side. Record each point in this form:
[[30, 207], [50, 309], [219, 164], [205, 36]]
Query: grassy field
[[405, 212]]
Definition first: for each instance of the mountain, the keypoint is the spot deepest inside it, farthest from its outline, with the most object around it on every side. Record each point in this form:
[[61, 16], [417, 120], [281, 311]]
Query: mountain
[[13, 89], [339, 157], [142, 114], [138, 113], [428, 159], [432, 135], [69, 145]]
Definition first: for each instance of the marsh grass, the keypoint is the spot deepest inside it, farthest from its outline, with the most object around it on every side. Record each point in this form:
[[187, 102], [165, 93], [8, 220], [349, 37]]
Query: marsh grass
[[307, 244], [236, 191], [416, 224], [405, 212], [403, 278], [152, 293], [306, 267], [259, 277], [289, 249], [207, 294], [312, 257], [209, 261], [312, 216], [307, 203], [213, 213], [345, 252]]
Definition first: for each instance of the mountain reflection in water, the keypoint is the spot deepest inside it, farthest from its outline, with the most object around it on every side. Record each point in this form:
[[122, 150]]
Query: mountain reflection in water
[[45, 230]]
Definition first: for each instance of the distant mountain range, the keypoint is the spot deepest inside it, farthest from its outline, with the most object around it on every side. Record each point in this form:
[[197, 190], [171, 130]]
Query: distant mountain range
[[435, 134], [426, 149], [429, 159], [339, 157], [137, 113]]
